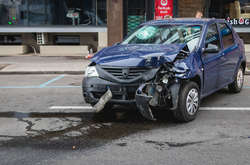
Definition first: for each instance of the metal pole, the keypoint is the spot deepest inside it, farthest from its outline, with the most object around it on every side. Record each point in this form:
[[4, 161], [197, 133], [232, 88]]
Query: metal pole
[[96, 13]]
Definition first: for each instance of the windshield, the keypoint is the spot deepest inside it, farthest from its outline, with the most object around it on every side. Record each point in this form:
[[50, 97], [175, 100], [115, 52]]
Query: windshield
[[166, 34]]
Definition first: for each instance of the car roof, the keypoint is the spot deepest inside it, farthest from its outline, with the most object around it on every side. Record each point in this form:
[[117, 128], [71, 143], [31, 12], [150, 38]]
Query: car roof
[[184, 21]]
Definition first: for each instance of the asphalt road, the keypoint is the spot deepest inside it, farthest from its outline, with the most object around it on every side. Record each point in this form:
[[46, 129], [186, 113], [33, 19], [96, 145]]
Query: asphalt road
[[41, 122]]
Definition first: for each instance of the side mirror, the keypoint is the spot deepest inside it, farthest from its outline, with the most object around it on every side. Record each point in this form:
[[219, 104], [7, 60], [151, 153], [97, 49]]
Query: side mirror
[[211, 48]]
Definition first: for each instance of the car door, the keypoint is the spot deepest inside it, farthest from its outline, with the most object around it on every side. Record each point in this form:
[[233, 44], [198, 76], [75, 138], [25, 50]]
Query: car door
[[210, 59], [229, 55]]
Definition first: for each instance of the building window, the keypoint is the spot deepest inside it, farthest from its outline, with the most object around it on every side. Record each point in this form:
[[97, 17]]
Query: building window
[[229, 8], [240, 9], [10, 40], [136, 14], [53, 12], [67, 39], [236, 12]]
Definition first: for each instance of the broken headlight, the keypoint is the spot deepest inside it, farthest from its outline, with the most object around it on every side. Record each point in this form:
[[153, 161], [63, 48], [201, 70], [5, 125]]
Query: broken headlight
[[91, 72]]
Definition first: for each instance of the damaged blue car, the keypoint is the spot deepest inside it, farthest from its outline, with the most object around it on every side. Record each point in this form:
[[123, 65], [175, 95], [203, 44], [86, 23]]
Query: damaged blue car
[[169, 65]]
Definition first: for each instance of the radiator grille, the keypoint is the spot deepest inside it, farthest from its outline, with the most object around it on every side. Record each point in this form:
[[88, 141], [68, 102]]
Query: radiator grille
[[125, 73]]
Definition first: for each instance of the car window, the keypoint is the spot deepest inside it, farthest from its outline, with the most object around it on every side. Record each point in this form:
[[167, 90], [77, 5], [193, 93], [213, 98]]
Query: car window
[[227, 36], [212, 37]]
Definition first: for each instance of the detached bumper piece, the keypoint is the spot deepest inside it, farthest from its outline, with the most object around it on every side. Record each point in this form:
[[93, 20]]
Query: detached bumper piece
[[143, 106], [156, 95], [142, 102], [103, 101]]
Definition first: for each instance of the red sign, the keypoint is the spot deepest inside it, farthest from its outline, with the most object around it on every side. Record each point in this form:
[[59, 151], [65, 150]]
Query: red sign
[[163, 9]]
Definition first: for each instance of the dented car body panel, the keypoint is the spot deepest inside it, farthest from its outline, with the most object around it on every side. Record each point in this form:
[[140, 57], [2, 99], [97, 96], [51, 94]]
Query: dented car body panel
[[137, 55], [150, 66]]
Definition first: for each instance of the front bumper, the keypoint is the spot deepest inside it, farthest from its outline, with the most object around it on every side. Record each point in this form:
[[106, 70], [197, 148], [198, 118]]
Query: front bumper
[[94, 87]]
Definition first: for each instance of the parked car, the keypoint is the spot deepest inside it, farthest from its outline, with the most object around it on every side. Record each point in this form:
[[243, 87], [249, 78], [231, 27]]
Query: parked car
[[168, 64]]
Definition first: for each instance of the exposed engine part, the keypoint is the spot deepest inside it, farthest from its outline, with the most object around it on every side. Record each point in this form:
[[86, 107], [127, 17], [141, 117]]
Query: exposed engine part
[[142, 102], [165, 79], [163, 92], [152, 95]]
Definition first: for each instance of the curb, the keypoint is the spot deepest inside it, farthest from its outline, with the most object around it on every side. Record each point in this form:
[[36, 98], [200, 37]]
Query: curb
[[41, 72], [247, 72]]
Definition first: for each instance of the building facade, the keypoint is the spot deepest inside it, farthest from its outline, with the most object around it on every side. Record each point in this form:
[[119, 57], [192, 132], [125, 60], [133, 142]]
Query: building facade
[[44, 25]]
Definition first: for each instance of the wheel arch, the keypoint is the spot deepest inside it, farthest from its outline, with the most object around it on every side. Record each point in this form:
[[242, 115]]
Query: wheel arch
[[243, 64], [197, 80]]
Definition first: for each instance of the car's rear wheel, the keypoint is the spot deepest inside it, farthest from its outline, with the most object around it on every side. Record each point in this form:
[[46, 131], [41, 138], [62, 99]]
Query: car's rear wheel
[[237, 84], [189, 102]]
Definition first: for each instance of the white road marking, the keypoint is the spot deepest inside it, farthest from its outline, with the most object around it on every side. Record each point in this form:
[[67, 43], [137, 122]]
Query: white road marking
[[225, 108], [201, 108], [71, 107]]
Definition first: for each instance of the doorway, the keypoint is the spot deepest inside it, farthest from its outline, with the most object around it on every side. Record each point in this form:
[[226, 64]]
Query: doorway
[[219, 9], [135, 13]]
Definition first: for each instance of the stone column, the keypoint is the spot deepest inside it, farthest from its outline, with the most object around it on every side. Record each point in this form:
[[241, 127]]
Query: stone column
[[115, 21], [102, 40]]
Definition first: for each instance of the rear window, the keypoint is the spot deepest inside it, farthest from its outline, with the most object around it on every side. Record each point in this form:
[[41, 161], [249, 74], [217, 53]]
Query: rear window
[[227, 36]]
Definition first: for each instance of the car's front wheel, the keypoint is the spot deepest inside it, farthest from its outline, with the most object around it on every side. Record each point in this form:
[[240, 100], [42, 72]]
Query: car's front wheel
[[237, 84], [189, 102]]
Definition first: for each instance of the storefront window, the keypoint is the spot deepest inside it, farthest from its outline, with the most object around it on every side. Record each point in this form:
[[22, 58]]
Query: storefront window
[[237, 12], [239, 9], [136, 14], [53, 12], [10, 40]]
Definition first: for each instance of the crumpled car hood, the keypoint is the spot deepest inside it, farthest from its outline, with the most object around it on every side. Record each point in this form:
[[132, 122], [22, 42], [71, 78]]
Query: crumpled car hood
[[137, 55]]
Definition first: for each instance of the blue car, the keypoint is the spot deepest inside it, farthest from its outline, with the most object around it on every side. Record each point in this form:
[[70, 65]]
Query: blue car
[[168, 64]]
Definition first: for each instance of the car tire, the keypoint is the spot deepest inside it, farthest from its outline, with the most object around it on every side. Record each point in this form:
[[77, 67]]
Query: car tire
[[237, 84], [189, 102]]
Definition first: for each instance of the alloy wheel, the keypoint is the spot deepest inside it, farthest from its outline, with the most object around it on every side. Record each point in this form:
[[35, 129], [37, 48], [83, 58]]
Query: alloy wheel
[[240, 78], [192, 101]]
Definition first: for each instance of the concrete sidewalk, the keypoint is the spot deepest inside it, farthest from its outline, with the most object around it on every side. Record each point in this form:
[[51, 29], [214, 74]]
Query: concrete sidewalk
[[42, 65]]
